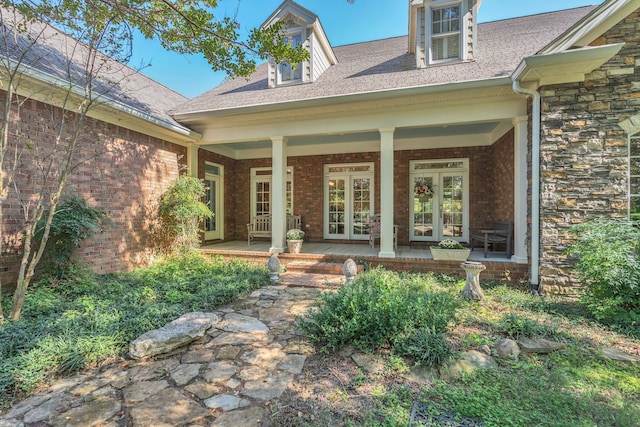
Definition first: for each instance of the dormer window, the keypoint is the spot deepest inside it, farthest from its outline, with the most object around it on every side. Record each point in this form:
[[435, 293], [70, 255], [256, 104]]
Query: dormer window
[[286, 72], [301, 27], [442, 31], [445, 33]]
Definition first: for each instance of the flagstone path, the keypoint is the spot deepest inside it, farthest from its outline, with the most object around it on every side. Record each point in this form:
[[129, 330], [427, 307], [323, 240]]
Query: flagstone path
[[225, 379]]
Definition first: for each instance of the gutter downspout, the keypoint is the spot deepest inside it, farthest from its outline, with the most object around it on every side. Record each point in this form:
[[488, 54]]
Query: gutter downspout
[[535, 182]]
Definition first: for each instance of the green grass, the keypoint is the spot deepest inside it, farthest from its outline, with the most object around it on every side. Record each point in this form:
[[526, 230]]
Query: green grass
[[88, 319], [573, 387]]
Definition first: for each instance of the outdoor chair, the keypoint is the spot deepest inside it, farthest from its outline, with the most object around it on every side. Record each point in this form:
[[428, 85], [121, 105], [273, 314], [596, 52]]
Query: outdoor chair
[[500, 233], [374, 231]]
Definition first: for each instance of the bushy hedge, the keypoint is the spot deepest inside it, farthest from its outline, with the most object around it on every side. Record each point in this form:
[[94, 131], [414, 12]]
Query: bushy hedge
[[380, 309], [608, 264]]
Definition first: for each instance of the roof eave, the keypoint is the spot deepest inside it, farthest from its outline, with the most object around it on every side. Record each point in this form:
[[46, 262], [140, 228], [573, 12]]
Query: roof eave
[[104, 101], [564, 67], [592, 26], [186, 117]]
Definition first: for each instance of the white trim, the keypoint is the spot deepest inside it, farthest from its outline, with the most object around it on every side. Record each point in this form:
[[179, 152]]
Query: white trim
[[348, 176], [520, 189], [386, 193], [219, 179], [438, 174]]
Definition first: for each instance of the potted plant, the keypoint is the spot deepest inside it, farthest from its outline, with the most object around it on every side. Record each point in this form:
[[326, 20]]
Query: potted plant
[[294, 240], [450, 250]]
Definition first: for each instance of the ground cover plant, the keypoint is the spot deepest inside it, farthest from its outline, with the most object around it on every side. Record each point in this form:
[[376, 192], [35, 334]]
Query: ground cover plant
[[87, 319], [572, 387]]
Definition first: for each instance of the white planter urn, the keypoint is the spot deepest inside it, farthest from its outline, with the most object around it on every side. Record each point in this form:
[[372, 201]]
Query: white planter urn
[[450, 254], [295, 246]]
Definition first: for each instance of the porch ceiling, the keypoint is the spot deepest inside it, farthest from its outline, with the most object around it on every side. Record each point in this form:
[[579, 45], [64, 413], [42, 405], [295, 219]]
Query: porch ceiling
[[468, 134]]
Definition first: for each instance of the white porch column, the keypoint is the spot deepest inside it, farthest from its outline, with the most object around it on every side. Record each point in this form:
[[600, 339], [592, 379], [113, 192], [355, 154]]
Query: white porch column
[[386, 193], [520, 189], [278, 194], [192, 160]]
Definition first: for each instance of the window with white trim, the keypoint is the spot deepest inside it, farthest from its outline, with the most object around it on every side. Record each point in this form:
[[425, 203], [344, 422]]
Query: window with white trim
[[261, 190], [287, 73], [634, 177], [446, 24]]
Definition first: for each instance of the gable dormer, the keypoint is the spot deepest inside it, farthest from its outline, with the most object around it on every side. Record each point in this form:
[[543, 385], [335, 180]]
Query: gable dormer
[[300, 27], [443, 31]]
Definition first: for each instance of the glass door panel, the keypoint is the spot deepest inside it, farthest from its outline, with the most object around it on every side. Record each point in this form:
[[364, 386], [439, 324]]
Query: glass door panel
[[212, 199], [337, 207], [361, 205], [424, 207], [452, 205]]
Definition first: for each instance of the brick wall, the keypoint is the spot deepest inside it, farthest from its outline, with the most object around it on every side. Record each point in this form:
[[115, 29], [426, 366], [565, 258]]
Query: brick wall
[[490, 187], [119, 170], [584, 150]]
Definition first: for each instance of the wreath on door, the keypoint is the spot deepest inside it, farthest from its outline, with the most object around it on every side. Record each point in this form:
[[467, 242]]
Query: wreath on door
[[423, 191]]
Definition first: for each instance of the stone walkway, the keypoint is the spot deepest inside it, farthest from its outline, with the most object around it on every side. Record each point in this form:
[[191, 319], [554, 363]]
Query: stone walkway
[[226, 378]]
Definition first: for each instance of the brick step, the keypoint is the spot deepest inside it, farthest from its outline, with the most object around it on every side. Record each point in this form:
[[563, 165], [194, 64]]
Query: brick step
[[317, 267]]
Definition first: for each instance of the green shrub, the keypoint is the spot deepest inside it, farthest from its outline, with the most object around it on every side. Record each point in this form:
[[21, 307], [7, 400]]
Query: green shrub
[[609, 267], [80, 321], [377, 310], [425, 347], [515, 326], [182, 211], [73, 222]]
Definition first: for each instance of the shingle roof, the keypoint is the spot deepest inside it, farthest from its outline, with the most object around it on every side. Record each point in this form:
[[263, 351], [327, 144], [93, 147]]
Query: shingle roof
[[385, 65], [59, 56]]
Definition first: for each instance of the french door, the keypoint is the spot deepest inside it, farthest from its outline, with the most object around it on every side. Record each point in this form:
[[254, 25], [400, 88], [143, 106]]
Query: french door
[[348, 201], [439, 200], [213, 198]]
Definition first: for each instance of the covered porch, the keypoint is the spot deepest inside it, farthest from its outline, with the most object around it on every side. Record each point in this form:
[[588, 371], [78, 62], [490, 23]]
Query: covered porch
[[432, 165]]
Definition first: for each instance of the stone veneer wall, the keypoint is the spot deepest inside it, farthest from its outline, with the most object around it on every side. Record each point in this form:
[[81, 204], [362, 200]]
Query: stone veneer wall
[[126, 179], [584, 150]]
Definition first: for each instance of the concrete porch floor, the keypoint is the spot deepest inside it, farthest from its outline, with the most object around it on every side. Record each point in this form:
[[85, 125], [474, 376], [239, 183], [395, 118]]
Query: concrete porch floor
[[347, 250]]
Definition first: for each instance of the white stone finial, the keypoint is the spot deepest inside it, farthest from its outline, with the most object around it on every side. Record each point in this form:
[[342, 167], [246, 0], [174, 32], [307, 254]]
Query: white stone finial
[[274, 268], [350, 270]]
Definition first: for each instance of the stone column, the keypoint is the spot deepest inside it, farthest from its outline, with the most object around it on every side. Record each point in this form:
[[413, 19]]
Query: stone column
[[278, 194], [386, 193], [520, 189]]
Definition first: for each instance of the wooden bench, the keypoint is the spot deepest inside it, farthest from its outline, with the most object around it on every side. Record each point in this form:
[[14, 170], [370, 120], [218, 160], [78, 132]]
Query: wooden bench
[[499, 233], [260, 226]]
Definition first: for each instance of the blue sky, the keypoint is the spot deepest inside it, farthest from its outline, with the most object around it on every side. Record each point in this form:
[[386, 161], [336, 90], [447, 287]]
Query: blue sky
[[343, 22]]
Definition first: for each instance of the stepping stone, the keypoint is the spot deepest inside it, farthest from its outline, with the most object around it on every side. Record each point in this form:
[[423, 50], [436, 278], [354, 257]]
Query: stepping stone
[[239, 338], [203, 389], [269, 388], [469, 361], [47, 410], [173, 335], [293, 363], [264, 358], [168, 408], [235, 322], [507, 349], [369, 363], [198, 356], [226, 402], [613, 353], [539, 345], [183, 374], [249, 417], [93, 413], [142, 390], [217, 372]]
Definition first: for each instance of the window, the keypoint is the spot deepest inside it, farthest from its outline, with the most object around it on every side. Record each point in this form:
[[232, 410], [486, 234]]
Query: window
[[261, 191], [445, 33], [634, 177], [286, 72]]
